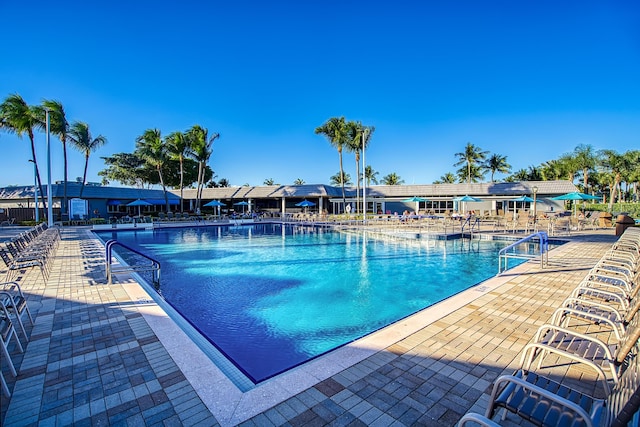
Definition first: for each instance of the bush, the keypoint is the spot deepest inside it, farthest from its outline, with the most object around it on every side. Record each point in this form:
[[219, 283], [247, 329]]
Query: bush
[[632, 209]]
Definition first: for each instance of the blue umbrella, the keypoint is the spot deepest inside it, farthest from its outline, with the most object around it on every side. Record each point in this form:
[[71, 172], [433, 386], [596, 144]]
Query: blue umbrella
[[305, 203], [417, 201], [466, 198], [523, 199], [242, 203], [575, 196], [139, 203], [214, 203]]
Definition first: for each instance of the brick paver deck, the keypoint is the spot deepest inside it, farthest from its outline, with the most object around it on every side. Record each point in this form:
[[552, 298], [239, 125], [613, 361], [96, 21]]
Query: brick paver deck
[[94, 357]]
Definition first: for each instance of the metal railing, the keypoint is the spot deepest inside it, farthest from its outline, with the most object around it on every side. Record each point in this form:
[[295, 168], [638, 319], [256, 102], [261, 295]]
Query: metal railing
[[472, 222], [154, 267], [543, 245]]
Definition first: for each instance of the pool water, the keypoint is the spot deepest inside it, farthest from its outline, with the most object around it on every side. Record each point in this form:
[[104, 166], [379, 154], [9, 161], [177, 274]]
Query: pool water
[[273, 296]]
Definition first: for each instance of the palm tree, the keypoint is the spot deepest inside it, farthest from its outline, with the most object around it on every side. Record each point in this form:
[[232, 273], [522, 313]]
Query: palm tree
[[497, 163], [370, 175], [471, 156], [551, 170], [392, 179], [298, 181], [200, 144], [335, 130], [614, 165], [357, 136], [340, 178], [58, 126], [80, 137], [568, 166], [20, 118], [224, 182], [473, 173], [178, 148], [155, 152], [269, 181], [447, 178], [585, 160]]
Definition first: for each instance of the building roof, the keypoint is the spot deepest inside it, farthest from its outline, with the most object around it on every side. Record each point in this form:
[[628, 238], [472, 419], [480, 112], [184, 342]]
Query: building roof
[[89, 192]]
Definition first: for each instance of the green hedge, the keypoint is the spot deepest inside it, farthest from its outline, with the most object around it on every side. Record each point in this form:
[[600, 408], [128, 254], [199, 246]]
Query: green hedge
[[632, 209]]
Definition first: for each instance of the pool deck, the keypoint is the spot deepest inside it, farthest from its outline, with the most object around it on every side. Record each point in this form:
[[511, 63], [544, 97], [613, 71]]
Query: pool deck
[[108, 354]]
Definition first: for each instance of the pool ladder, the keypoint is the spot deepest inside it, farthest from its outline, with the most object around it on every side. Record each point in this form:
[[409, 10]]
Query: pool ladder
[[544, 251], [153, 267]]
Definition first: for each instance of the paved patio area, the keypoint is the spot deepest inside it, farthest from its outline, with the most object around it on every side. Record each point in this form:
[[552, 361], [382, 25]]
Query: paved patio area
[[108, 355]]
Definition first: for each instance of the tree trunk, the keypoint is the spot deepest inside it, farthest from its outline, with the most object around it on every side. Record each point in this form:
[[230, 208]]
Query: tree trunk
[[84, 175], [181, 184], [344, 198]]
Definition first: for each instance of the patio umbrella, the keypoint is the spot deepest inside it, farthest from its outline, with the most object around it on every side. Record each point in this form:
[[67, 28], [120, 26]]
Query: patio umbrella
[[139, 203], [417, 201], [305, 203], [575, 196], [520, 199], [215, 203], [242, 203], [465, 199]]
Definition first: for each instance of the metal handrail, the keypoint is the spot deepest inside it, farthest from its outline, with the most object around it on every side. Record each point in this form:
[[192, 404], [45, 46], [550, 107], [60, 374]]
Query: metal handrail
[[544, 251], [154, 267], [472, 221]]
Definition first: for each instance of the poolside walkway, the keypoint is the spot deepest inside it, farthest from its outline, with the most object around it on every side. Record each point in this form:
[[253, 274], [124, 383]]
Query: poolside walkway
[[107, 355]]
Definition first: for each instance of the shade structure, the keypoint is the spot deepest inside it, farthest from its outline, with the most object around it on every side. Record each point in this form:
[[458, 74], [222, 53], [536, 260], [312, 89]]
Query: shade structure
[[305, 203], [214, 203], [466, 199], [522, 199], [575, 196], [242, 203], [416, 200], [138, 203]]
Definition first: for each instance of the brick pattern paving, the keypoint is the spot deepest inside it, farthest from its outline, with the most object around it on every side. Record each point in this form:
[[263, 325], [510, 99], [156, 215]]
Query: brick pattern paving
[[92, 359]]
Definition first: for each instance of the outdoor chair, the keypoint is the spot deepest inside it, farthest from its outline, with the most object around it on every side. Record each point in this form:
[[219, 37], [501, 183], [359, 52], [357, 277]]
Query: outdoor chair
[[16, 303], [15, 267], [582, 348], [6, 332], [545, 402]]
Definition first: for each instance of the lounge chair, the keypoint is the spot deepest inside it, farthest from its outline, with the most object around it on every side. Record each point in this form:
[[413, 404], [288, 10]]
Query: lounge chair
[[544, 402], [581, 348], [15, 266], [16, 303], [6, 332]]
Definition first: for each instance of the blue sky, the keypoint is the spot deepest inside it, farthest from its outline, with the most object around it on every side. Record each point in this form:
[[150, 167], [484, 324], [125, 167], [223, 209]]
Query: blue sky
[[529, 80]]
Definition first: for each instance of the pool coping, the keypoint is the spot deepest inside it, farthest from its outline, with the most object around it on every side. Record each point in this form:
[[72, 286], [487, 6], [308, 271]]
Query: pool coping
[[231, 406]]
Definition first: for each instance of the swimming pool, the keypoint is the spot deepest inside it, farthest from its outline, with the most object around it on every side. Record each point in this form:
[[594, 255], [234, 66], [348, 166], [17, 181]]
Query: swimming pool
[[272, 296]]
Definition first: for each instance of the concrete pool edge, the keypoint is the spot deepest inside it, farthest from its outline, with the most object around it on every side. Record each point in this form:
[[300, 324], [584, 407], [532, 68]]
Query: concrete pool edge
[[231, 406]]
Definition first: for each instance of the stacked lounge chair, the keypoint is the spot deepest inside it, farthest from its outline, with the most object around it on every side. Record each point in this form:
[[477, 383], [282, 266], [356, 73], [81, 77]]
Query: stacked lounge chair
[[606, 298]]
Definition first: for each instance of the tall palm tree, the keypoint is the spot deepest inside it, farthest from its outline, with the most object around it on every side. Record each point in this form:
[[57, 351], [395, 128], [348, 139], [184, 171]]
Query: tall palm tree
[[614, 165], [20, 118], [551, 170], [298, 181], [178, 148], [340, 178], [370, 175], [392, 179], [335, 130], [58, 126], [471, 156], [155, 152], [568, 165], [269, 181], [357, 136], [80, 137], [497, 163], [585, 160], [447, 178], [201, 144]]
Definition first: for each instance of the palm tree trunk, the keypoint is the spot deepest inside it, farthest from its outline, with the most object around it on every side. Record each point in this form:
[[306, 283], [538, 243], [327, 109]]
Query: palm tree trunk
[[164, 189], [35, 162], [64, 195], [344, 198], [358, 182], [181, 185], [84, 175]]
